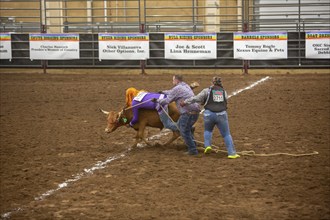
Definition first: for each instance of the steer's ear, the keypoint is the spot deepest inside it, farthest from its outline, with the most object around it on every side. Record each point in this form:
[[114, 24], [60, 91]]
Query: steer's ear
[[194, 85], [105, 112]]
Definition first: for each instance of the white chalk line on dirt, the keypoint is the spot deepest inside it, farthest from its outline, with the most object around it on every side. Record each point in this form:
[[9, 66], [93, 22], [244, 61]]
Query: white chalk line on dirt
[[249, 87], [102, 164]]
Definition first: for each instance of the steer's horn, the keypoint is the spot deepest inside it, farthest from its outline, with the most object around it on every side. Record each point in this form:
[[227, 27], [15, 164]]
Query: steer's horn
[[105, 112]]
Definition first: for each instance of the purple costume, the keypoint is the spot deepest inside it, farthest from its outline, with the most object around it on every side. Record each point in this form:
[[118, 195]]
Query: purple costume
[[144, 97]]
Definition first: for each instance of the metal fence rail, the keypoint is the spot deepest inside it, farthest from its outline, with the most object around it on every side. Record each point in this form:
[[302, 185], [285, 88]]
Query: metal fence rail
[[94, 16], [21, 16], [289, 15], [90, 17]]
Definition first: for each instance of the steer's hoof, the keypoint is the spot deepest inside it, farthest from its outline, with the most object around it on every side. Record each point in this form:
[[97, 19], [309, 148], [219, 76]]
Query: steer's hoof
[[158, 145]]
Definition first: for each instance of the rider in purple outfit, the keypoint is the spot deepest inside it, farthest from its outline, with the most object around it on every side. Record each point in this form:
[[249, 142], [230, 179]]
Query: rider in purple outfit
[[143, 98]]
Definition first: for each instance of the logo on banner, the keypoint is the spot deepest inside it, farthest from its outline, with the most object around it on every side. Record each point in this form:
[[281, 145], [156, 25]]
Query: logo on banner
[[54, 46], [190, 46], [260, 45], [123, 46], [5, 46], [317, 44]]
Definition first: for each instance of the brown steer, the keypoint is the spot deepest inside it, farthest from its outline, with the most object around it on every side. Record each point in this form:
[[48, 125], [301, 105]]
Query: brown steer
[[146, 118]]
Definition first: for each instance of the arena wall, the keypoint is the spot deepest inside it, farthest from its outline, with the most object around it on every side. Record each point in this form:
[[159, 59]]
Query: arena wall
[[225, 17]]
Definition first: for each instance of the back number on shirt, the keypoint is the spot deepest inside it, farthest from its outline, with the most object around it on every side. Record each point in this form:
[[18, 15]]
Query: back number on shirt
[[217, 96]]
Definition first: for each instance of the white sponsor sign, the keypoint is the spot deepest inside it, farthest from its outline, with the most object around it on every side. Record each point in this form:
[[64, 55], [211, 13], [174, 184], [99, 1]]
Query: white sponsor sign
[[124, 46], [317, 44], [260, 45], [5, 46], [190, 46], [54, 46]]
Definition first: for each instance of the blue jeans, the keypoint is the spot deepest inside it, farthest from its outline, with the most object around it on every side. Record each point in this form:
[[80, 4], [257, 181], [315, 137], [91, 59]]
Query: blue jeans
[[220, 119], [167, 122], [185, 123]]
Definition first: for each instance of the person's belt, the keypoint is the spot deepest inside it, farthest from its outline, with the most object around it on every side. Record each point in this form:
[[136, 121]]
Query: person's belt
[[218, 113], [192, 113]]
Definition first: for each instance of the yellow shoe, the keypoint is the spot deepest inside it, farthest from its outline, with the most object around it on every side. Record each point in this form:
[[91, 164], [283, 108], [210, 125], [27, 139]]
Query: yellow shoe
[[208, 150], [233, 156]]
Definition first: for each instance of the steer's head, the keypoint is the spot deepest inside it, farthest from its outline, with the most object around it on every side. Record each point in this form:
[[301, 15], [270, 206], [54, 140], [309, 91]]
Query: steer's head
[[114, 120]]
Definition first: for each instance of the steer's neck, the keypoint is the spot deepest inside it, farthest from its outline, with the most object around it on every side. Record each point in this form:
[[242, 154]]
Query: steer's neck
[[129, 114]]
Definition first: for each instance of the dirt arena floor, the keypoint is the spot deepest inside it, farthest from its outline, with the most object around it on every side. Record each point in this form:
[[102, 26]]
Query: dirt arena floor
[[57, 162]]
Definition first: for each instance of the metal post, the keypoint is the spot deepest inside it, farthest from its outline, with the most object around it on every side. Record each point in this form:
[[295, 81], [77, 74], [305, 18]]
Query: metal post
[[93, 46], [145, 11], [142, 62], [43, 21], [193, 15], [245, 29], [299, 37], [45, 15], [66, 10], [243, 14], [44, 62], [40, 11]]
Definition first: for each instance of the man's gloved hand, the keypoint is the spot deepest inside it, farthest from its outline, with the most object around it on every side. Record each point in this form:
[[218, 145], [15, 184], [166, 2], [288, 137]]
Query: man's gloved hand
[[182, 103], [154, 100]]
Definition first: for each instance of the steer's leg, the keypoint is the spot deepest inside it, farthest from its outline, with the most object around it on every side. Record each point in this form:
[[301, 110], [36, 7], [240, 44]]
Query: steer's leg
[[141, 134], [136, 140], [175, 136]]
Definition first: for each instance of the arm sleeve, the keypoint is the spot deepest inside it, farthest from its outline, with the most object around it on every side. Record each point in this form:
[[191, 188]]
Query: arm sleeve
[[166, 92], [170, 96], [200, 97]]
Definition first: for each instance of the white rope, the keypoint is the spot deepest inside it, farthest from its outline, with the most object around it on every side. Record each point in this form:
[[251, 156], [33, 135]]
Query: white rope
[[133, 106]]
